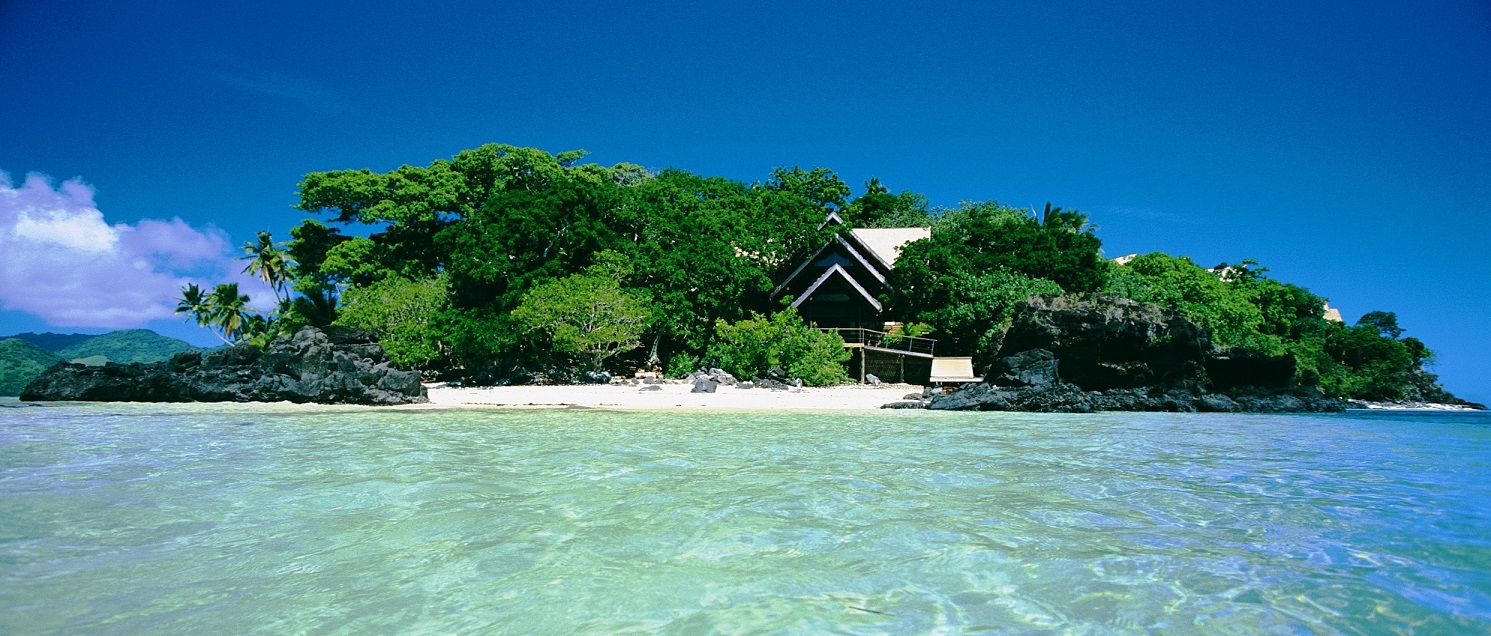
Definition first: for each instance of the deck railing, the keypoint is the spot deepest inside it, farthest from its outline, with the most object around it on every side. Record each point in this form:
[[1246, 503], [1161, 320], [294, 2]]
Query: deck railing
[[858, 336]]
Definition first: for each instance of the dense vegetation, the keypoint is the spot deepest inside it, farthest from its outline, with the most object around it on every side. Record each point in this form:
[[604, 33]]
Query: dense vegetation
[[504, 257], [20, 362], [126, 346]]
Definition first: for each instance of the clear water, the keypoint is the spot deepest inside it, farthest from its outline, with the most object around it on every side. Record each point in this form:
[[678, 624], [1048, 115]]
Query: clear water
[[131, 518]]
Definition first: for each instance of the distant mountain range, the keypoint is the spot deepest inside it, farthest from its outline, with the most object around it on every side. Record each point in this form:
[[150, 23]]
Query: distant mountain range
[[25, 355]]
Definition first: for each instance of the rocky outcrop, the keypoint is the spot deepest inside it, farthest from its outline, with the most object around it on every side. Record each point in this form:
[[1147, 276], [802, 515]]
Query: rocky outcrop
[[1065, 354], [1109, 343], [329, 365]]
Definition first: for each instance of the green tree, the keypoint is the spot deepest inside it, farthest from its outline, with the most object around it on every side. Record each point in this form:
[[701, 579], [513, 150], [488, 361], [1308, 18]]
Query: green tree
[[586, 315], [228, 311], [819, 186], [691, 243], [1178, 284], [981, 259], [1385, 322], [975, 309], [267, 262], [983, 237], [749, 347], [878, 207], [404, 314], [196, 305]]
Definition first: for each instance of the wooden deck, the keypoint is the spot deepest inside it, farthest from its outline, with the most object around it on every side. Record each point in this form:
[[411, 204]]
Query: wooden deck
[[885, 342]]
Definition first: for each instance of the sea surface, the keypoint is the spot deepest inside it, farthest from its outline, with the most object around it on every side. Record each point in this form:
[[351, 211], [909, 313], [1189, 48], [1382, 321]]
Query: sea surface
[[280, 519]]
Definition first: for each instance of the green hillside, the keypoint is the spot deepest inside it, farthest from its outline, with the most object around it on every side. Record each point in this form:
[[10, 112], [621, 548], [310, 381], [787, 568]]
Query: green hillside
[[54, 342], [123, 347], [20, 361]]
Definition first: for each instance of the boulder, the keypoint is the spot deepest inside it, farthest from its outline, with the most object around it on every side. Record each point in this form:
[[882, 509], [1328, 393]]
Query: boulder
[[1070, 354], [721, 376], [1036, 367], [1051, 398], [332, 365], [770, 383], [1108, 342]]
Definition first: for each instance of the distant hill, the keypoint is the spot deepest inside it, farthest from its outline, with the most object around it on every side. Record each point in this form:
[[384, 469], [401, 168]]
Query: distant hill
[[20, 361], [54, 342], [124, 347]]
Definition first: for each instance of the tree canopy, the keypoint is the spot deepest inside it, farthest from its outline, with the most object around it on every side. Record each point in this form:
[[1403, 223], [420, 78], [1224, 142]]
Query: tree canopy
[[516, 254]]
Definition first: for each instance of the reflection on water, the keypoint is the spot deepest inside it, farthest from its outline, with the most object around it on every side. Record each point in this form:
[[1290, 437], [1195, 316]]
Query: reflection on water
[[224, 518]]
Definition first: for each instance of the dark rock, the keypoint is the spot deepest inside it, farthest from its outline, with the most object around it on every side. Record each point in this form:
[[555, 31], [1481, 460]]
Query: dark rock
[[1285, 400], [1216, 403], [704, 385], [334, 365], [776, 373], [651, 387], [1066, 354], [1108, 342], [769, 383], [595, 377], [722, 377], [912, 396], [1052, 398], [915, 404], [1244, 368], [1036, 367], [745, 385], [968, 399]]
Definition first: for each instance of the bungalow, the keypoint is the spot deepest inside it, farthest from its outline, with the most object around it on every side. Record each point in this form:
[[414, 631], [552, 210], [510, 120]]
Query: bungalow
[[840, 287], [841, 284]]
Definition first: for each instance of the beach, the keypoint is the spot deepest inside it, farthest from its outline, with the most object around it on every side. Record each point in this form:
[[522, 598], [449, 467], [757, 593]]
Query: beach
[[673, 395]]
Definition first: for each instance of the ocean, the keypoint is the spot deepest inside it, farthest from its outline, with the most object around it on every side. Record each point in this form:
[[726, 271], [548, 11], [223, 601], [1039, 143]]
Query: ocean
[[148, 518]]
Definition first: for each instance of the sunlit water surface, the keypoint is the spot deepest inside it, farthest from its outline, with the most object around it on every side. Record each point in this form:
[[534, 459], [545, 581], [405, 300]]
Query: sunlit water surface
[[131, 518]]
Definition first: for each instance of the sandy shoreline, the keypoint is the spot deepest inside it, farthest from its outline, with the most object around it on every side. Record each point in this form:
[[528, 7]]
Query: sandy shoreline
[[672, 396]]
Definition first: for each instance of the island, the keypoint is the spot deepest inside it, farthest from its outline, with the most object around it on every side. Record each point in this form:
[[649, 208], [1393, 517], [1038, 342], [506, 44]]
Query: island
[[506, 266]]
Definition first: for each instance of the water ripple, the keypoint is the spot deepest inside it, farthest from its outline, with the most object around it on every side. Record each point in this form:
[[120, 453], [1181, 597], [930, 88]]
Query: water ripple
[[275, 518]]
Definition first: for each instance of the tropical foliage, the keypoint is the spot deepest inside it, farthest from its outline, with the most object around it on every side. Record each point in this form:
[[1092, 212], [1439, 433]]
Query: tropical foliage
[[750, 347], [405, 314], [981, 259], [503, 255], [21, 362]]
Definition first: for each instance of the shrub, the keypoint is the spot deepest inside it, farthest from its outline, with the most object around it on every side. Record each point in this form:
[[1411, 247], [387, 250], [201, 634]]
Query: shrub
[[749, 347]]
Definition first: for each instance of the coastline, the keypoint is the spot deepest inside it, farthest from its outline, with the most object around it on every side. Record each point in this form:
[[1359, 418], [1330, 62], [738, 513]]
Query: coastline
[[670, 396], [1362, 405]]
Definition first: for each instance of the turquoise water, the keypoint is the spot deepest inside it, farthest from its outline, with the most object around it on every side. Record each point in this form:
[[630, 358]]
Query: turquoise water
[[131, 518]]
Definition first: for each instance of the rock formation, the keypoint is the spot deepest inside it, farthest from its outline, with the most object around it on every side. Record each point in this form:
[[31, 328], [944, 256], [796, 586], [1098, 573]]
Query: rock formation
[[329, 365], [1065, 354]]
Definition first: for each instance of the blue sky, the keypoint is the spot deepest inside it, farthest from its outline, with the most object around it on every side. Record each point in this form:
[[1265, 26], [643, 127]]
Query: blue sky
[[1346, 145]]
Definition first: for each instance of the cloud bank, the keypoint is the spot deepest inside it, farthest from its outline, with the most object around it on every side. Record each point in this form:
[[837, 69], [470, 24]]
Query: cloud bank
[[60, 260]]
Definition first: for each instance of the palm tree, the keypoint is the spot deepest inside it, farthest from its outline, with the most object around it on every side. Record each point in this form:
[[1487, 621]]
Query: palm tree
[[228, 310], [1072, 220], [197, 306], [267, 261]]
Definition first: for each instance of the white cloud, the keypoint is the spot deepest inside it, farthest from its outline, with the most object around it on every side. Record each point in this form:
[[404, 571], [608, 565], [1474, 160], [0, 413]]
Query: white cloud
[[61, 261]]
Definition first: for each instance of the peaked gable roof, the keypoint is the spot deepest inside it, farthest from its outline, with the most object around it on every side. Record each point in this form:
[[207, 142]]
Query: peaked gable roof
[[878, 272], [837, 270]]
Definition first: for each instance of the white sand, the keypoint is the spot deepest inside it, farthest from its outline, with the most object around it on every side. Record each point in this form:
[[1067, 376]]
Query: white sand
[[672, 396]]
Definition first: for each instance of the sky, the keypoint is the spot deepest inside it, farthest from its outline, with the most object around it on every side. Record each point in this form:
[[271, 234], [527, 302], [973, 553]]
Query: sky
[[1344, 145]]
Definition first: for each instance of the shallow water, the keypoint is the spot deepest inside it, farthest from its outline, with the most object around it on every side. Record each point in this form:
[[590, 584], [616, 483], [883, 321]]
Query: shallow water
[[130, 518]]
